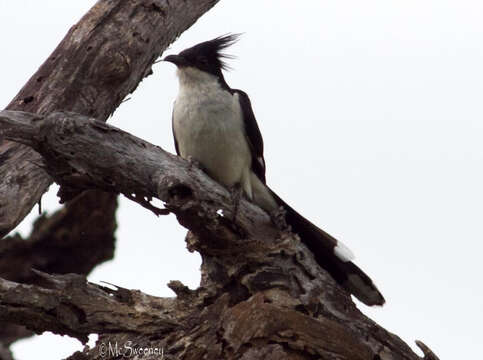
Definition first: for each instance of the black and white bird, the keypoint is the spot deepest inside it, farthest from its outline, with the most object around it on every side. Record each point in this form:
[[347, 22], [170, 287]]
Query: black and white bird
[[214, 125]]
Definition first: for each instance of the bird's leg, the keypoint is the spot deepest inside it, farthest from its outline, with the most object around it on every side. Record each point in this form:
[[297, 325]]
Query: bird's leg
[[236, 195], [192, 162], [278, 218]]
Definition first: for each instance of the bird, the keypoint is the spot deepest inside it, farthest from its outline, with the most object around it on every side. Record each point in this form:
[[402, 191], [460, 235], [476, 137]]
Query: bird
[[215, 126]]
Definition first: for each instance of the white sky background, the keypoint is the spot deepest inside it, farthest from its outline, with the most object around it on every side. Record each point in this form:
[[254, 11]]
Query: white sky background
[[371, 113]]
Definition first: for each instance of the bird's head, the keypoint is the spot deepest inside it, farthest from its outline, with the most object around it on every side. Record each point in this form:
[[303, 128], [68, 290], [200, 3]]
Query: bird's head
[[206, 56]]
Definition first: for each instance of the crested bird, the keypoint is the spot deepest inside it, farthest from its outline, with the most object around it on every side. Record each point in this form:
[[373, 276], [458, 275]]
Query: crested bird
[[215, 126]]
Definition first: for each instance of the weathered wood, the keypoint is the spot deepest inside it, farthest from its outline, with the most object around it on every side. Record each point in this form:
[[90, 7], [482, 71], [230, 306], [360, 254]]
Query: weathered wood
[[72, 240], [262, 294], [72, 306], [428, 353], [101, 60]]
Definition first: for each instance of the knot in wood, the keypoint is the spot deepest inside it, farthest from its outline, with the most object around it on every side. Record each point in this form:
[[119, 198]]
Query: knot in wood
[[115, 67]]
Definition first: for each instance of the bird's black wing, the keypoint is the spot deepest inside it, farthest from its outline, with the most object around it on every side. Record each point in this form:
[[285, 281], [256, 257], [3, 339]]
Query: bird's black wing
[[322, 245], [174, 134], [253, 134]]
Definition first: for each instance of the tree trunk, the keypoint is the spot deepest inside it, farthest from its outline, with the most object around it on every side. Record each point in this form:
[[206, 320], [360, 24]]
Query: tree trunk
[[101, 60], [262, 294]]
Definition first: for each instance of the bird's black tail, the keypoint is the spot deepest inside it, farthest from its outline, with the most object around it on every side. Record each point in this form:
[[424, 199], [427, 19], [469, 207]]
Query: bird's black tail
[[333, 256]]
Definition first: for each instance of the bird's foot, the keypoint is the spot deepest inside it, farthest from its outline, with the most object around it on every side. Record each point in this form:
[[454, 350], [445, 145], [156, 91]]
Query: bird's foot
[[279, 220]]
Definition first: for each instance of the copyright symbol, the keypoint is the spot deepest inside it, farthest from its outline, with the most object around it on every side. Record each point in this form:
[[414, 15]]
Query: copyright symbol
[[103, 350]]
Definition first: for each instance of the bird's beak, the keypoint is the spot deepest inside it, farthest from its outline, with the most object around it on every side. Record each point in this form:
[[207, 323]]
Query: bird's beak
[[178, 60]]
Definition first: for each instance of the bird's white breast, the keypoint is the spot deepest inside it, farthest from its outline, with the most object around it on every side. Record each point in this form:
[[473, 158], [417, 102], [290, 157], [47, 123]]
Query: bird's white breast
[[208, 126]]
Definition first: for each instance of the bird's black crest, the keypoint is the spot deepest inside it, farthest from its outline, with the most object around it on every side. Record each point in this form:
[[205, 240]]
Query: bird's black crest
[[209, 55]]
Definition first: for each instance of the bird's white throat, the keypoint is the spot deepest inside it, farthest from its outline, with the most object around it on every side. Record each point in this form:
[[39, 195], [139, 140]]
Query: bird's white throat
[[192, 77]]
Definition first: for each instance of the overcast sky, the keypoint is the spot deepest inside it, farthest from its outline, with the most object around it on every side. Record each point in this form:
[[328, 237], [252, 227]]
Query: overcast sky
[[371, 114]]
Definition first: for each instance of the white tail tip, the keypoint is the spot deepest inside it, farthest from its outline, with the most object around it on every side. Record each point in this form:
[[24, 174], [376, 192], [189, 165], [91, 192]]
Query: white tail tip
[[343, 252]]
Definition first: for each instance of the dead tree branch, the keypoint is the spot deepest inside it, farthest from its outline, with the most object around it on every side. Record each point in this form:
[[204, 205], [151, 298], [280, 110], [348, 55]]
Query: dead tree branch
[[72, 306], [428, 353], [52, 248], [100, 61], [73, 240], [262, 294]]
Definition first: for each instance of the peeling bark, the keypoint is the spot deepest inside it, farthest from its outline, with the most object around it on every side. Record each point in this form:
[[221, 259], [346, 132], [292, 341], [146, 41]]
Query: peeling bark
[[262, 295]]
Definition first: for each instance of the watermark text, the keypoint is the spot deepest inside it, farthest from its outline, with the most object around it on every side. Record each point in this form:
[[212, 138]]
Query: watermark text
[[127, 350]]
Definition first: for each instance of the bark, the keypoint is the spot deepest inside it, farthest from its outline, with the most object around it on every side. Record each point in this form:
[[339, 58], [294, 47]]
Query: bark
[[50, 248], [71, 306], [262, 295], [101, 60], [73, 240]]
